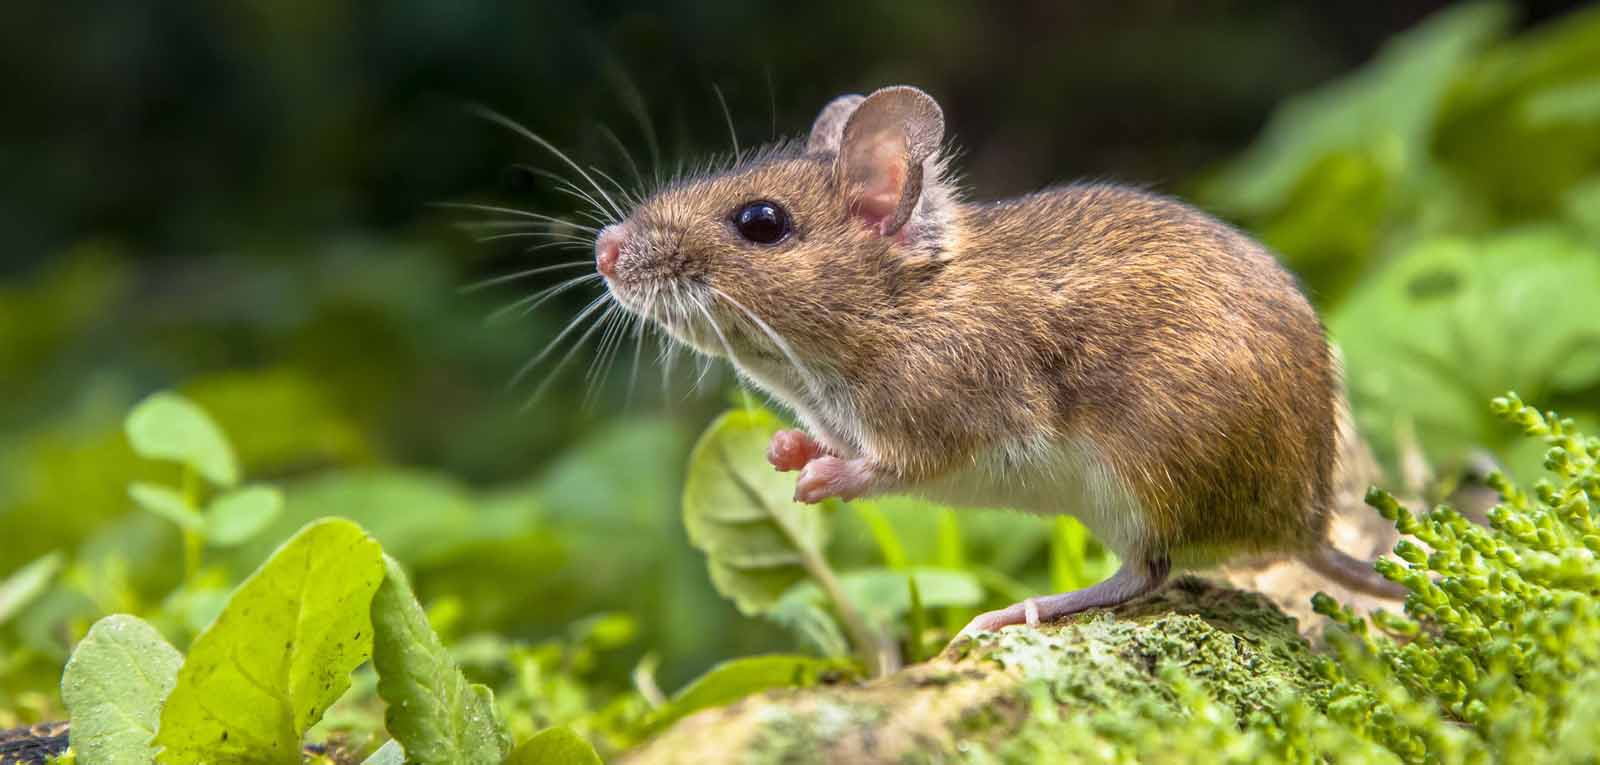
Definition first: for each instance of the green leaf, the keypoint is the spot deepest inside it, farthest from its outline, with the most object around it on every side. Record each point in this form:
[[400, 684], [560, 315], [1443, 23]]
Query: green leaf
[[113, 687], [280, 652], [388, 754], [28, 583], [733, 680], [884, 597], [555, 746], [166, 503], [167, 426], [240, 514], [758, 541], [433, 712]]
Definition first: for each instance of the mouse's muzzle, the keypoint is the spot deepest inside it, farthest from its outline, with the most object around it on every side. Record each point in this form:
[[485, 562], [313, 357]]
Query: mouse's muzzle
[[608, 250]]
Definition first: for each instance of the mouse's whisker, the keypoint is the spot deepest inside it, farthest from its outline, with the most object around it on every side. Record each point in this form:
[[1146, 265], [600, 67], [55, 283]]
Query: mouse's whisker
[[566, 358], [511, 277], [518, 128], [555, 342], [733, 135], [551, 235], [550, 219], [526, 305], [622, 191], [627, 156], [810, 378]]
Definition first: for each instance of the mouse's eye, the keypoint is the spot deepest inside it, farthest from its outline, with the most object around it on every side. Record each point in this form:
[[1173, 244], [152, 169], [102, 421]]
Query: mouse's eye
[[762, 222]]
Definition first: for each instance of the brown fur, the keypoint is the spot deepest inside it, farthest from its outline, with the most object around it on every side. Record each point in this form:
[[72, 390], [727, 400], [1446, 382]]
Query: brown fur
[[1175, 342]]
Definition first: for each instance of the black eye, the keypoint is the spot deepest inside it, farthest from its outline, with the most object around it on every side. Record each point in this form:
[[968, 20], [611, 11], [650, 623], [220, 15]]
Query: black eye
[[762, 222]]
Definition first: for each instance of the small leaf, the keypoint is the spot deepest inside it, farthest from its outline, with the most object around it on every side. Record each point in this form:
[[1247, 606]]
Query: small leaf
[[555, 746], [280, 652], [433, 712], [884, 596], [758, 541], [166, 503], [241, 514], [167, 426], [28, 583], [733, 680], [388, 754], [113, 687]]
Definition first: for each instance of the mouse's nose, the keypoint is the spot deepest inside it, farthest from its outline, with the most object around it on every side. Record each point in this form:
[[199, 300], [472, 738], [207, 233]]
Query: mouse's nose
[[608, 250]]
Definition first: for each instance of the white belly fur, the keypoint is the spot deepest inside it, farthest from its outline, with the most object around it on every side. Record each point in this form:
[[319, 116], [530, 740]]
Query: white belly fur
[[1066, 478]]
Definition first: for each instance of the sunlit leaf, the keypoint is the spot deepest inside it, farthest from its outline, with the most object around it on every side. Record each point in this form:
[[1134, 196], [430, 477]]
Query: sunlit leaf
[[114, 686], [280, 652], [167, 503], [733, 680], [240, 514], [28, 583], [758, 541], [555, 746], [435, 714], [167, 426], [388, 754]]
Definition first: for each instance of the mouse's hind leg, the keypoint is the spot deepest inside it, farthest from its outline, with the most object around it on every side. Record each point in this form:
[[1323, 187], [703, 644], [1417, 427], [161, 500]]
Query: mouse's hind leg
[[1136, 577]]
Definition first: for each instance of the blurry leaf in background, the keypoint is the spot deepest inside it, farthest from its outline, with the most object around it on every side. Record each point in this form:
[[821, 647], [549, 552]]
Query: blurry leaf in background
[[883, 595], [555, 746], [733, 680], [758, 541], [114, 686], [303, 619], [238, 515], [165, 503], [1482, 315], [27, 583], [1339, 160], [435, 714], [167, 426]]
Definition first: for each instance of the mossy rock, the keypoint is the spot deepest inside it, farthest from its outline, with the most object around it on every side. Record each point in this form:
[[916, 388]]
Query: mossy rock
[[1237, 647]]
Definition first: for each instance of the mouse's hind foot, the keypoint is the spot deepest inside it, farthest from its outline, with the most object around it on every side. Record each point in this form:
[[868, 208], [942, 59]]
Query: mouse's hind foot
[[1131, 581]]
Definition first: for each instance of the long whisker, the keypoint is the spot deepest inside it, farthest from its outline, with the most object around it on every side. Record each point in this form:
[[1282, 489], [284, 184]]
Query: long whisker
[[627, 156], [553, 235], [565, 359], [517, 127], [550, 347], [490, 282], [738, 156], [634, 103], [810, 377], [528, 304], [512, 211]]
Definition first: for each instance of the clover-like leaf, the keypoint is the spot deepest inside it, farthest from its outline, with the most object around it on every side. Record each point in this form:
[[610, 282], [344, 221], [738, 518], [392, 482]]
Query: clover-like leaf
[[555, 746], [167, 426], [238, 515], [113, 687], [167, 503], [28, 583], [280, 652], [733, 680]]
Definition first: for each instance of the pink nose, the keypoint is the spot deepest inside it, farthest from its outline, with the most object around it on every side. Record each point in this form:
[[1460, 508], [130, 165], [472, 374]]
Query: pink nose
[[607, 250]]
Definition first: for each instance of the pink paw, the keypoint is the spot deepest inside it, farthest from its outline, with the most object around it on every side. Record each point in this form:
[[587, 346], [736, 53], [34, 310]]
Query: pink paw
[[792, 449], [829, 476]]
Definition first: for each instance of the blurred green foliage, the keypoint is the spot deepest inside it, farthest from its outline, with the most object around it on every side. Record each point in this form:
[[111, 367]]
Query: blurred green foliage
[[1441, 204]]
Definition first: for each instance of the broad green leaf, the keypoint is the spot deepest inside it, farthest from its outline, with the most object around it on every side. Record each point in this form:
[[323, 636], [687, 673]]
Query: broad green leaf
[[433, 712], [166, 503], [167, 426], [280, 652], [733, 680], [388, 754], [555, 746], [1481, 315], [240, 514], [883, 596], [28, 583], [758, 541], [113, 688]]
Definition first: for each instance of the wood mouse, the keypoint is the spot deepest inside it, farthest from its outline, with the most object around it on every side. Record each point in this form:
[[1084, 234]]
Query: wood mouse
[[1090, 349]]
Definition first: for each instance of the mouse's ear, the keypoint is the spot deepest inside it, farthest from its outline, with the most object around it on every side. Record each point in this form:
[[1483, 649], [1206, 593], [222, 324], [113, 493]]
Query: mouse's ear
[[882, 151], [829, 126]]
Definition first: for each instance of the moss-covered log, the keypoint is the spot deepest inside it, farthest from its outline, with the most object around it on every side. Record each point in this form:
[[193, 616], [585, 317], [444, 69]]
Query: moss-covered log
[[1238, 647]]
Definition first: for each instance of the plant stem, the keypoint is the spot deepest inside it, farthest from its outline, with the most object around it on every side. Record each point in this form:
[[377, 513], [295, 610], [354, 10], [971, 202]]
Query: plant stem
[[193, 541]]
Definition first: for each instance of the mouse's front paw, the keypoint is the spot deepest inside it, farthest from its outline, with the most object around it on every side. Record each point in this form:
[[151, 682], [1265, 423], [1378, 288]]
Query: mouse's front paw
[[792, 449], [829, 476]]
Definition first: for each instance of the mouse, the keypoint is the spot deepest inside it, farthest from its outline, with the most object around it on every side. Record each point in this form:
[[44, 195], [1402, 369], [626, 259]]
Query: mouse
[[1092, 349]]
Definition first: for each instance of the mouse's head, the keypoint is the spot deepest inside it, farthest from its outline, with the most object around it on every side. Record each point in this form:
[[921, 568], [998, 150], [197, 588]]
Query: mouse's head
[[785, 253]]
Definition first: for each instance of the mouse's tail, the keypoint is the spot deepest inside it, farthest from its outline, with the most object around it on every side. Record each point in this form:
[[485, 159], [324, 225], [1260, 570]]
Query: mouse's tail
[[1351, 572]]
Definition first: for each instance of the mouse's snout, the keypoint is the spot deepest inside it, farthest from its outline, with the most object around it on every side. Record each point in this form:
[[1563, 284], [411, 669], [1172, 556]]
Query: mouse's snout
[[608, 250]]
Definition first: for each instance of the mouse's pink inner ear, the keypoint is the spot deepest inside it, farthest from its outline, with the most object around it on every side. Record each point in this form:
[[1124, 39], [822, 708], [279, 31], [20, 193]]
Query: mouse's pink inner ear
[[885, 144]]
